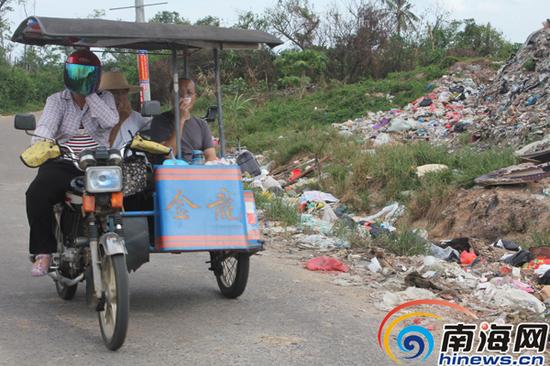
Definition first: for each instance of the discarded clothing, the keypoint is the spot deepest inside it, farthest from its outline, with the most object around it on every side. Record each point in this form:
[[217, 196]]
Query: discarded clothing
[[458, 244], [507, 244], [520, 258], [545, 279]]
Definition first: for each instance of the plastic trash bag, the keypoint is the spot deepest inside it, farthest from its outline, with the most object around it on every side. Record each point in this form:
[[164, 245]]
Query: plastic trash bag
[[325, 263]]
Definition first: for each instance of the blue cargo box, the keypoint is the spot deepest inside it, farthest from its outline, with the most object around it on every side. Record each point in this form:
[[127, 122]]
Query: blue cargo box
[[204, 208]]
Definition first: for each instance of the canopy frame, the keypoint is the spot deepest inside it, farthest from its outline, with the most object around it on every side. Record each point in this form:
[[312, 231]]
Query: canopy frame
[[99, 33]]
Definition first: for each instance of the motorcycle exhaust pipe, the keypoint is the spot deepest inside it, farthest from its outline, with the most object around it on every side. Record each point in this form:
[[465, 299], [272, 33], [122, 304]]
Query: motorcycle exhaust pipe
[[64, 280]]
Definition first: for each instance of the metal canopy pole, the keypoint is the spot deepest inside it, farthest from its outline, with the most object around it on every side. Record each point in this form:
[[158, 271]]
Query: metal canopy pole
[[176, 101], [186, 63], [219, 100]]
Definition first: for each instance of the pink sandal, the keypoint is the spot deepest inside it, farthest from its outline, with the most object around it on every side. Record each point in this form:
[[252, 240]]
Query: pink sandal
[[41, 265]]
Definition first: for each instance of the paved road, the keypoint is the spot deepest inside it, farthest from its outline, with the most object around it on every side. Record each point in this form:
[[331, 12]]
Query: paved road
[[287, 316]]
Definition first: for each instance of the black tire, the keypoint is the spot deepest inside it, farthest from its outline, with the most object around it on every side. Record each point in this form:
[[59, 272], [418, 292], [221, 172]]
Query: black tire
[[91, 299], [114, 338], [231, 284], [65, 292]]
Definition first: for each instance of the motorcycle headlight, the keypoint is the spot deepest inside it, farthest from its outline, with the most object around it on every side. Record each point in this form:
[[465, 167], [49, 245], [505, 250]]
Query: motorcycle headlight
[[100, 179]]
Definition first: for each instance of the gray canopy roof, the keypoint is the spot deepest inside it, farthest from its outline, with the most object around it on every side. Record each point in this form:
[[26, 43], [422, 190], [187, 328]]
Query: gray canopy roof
[[118, 34]]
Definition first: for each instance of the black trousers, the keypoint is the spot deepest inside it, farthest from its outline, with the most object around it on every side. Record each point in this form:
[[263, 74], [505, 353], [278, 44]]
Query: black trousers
[[47, 189]]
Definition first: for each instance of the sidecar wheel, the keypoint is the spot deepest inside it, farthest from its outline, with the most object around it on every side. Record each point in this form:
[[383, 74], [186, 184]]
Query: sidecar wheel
[[231, 270], [113, 318], [65, 292]]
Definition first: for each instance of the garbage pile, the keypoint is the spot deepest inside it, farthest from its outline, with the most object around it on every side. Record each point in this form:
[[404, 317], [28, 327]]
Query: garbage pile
[[476, 254], [512, 109], [499, 277], [518, 100], [449, 107]]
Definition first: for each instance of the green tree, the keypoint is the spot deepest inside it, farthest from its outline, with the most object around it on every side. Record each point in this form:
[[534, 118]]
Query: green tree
[[209, 20], [172, 17], [296, 21], [249, 20], [5, 48], [299, 68], [401, 11]]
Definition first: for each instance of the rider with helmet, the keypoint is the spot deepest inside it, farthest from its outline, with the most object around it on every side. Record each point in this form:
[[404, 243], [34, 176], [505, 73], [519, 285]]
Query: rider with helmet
[[78, 117]]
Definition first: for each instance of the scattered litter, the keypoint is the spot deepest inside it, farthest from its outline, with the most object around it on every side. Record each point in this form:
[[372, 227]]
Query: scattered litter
[[507, 244], [520, 258], [545, 294], [374, 265], [389, 213], [467, 258], [347, 280], [448, 254], [328, 215], [540, 252], [321, 242], [508, 296], [326, 264], [392, 299], [312, 222], [430, 168], [317, 196], [545, 278], [415, 279], [458, 244]]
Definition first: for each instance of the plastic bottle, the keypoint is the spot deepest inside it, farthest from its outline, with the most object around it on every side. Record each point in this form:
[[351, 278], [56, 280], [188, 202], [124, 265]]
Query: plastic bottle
[[198, 157]]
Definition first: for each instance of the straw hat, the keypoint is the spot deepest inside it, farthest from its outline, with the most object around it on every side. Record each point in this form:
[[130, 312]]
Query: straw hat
[[115, 80]]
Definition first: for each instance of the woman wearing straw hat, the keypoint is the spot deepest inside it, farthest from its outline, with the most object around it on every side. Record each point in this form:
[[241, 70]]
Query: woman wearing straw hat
[[129, 121]]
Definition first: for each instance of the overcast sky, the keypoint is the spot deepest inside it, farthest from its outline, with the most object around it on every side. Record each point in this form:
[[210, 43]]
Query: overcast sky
[[515, 18]]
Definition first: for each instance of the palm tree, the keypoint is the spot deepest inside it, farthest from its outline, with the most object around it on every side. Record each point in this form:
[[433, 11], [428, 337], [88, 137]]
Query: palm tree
[[401, 11]]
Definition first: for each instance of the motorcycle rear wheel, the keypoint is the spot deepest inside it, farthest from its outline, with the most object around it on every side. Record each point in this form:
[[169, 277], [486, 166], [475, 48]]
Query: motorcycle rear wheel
[[63, 291], [113, 319]]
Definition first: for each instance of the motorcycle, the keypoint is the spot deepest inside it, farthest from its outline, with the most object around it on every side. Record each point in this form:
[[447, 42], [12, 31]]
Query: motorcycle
[[88, 227]]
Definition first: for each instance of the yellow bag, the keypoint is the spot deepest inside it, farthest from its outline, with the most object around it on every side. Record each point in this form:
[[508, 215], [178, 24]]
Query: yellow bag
[[139, 143], [39, 153]]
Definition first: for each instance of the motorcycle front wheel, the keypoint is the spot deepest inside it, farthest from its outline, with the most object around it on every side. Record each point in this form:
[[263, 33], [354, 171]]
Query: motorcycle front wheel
[[113, 317]]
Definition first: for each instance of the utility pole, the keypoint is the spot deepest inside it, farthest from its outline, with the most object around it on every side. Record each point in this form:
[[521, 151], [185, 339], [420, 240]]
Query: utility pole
[[142, 58], [140, 12]]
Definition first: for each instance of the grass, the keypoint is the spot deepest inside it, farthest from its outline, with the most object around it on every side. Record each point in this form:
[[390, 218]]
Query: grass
[[342, 230], [392, 171], [402, 242], [539, 239], [258, 121], [277, 209]]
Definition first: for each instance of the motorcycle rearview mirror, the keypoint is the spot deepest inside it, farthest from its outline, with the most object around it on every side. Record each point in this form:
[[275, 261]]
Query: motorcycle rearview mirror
[[150, 108], [26, 122], [211, 113]]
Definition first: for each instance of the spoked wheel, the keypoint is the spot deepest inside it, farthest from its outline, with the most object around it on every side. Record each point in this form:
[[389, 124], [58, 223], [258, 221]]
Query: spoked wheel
[[63, 291], [114, 306], [231, 270]]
